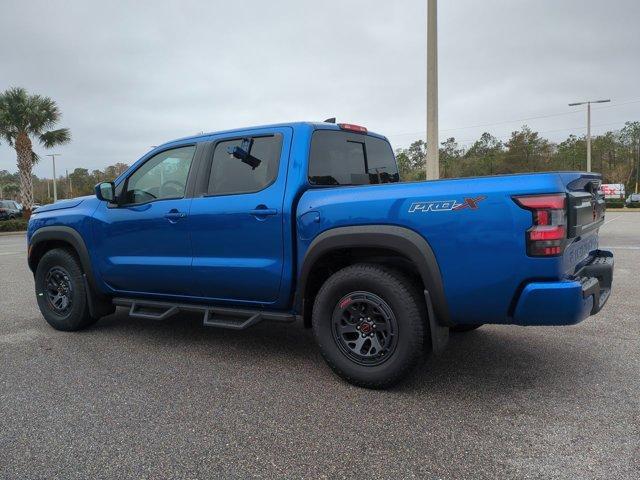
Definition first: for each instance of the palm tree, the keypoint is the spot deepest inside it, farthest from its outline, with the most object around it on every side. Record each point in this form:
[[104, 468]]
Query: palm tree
[[23, 117]]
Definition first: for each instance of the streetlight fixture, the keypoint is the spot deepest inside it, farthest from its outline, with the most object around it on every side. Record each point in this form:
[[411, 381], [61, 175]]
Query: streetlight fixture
[[588, 104], [55, 191]]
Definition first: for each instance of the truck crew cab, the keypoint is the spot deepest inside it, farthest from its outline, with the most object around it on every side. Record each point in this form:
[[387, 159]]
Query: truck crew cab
[[311, 221]]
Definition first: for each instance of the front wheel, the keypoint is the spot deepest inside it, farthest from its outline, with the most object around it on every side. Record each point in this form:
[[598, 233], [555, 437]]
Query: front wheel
[[61, 292], [369, 322]]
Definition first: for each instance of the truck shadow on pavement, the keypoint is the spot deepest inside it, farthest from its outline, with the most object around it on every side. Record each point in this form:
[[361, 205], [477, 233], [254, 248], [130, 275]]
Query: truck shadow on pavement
[[493, 360]]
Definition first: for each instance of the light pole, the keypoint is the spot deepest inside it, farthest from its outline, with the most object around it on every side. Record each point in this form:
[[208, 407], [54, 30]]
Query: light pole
[[55, 191], [588, 104], [432, 162]]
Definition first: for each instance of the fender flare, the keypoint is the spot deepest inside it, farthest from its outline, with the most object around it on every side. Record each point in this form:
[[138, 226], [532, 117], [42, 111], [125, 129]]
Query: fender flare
[[398, 239], [67, 235]]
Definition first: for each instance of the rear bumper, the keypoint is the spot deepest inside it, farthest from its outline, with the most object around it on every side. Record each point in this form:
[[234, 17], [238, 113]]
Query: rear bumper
[[569, 301]]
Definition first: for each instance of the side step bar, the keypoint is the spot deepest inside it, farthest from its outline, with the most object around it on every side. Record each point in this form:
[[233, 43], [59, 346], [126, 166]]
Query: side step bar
[[231, 318]]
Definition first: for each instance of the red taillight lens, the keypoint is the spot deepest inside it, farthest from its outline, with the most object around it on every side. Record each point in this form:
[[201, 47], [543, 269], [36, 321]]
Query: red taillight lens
[[352, 128], [547, 233], [547, 236]]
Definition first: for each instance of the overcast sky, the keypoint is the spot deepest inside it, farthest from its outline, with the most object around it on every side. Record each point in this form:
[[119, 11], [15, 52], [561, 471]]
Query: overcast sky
[[134, 74]]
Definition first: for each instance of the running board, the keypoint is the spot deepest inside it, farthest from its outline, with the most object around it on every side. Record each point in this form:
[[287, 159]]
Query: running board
[[231, 318]]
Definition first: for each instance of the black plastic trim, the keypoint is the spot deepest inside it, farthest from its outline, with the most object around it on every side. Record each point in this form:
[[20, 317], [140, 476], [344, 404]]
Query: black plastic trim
[[99, 304], [221, 317], [68, 235], [399, 239], [596, 278]]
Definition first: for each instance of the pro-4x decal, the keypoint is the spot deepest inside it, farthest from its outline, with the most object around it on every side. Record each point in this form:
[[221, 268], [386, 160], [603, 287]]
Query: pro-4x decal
[[446, 205]]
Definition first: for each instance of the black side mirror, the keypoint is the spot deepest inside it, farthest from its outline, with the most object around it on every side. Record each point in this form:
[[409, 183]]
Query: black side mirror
[[106, 191]]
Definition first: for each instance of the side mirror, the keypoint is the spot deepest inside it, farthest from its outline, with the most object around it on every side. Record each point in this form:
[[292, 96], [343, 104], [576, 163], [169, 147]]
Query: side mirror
[[106, 191]]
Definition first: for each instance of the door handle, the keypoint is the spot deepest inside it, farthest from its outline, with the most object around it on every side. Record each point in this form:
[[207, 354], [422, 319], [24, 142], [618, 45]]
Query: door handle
[[262, 211], [174, 215]]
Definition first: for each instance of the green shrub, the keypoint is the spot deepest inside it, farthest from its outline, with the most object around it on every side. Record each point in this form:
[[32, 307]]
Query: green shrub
[[18, 225], [614, 203], [633, 205]]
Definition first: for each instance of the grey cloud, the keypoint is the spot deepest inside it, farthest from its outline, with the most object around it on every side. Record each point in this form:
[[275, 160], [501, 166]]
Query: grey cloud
[[128, 75]]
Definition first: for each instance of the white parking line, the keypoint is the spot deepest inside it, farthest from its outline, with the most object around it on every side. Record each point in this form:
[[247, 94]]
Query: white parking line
[[621, 247], [614, 218], [10, 253]]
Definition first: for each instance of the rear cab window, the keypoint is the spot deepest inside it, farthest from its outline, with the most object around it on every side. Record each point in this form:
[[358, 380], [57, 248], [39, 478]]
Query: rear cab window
[[345, 158]]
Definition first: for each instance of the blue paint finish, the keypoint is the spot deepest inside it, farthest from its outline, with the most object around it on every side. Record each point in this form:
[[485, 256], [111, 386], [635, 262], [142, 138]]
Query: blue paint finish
[[552, 303], [221, 253], [138, 249], [238, 255]]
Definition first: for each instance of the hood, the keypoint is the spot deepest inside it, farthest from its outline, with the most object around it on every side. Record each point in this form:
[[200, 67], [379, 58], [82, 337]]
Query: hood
[[61, 204]]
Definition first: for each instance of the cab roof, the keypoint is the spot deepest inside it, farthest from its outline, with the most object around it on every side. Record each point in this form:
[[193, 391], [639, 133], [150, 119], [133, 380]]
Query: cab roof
[[294, 125]]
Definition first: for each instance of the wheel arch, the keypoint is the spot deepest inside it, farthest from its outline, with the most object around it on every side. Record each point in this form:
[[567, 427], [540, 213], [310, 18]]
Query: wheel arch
[[372, 242], [47, 238]]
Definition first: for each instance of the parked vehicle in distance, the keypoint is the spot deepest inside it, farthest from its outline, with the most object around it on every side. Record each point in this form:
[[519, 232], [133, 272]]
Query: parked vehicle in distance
[[633, 200], [9, 210], [310, 221]]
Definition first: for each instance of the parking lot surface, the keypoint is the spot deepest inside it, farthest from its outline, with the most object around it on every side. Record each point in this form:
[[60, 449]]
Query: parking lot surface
[[132, 398]]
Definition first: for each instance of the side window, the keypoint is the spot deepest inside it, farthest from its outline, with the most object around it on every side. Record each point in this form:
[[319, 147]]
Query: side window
[[163, 176], [255, 167]]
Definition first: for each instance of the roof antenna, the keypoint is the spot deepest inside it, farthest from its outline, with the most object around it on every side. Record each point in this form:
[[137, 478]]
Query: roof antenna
[[330, 120]]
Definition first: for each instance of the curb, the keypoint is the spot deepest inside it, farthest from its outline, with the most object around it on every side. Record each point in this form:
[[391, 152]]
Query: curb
[[8, 234]]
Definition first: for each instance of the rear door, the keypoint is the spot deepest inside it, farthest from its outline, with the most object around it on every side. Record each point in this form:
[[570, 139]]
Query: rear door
[[236, 219]]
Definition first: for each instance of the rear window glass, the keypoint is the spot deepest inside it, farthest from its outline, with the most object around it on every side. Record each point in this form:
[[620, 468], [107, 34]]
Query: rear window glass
[[342, 158]]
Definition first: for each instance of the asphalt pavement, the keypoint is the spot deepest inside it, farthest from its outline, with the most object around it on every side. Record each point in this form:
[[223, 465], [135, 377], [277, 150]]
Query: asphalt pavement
[[132, 398]]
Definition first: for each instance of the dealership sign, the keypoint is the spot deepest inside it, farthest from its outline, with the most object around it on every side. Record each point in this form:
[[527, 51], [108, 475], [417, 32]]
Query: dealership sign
[[612, 190]]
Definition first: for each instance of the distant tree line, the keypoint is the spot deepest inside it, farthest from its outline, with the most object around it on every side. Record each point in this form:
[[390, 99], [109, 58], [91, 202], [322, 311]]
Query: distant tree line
[[80, 182], [615, 155]]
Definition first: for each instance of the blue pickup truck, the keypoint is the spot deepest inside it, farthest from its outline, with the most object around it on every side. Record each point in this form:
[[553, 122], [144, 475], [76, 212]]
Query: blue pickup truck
[[310, 221]]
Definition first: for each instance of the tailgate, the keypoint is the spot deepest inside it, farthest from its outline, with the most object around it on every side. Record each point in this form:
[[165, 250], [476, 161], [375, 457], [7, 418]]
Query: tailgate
[[585, 215]]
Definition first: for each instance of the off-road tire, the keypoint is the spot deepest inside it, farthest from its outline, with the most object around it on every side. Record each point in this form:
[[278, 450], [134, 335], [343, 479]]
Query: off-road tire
[[66, 265], [408, 309]]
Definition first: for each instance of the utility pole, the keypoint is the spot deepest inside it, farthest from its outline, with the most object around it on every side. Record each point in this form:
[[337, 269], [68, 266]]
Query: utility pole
[[55, 190], [638, 164], [69, 183], [432, 163], [588, 104]]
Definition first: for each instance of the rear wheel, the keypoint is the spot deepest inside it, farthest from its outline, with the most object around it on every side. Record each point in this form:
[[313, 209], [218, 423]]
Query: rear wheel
[[61, 292], [369, 324]]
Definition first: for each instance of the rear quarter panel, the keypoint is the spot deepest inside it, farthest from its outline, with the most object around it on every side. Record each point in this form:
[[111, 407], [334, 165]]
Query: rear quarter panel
[[481, 252]]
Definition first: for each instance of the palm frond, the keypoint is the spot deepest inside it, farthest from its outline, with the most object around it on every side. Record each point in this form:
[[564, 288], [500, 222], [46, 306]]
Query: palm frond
[[33, 115], [55, 137], [35, 158]]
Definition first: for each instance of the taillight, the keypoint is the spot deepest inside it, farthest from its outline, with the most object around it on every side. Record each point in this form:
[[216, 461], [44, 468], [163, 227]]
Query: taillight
[[548, 235], [352, 128]]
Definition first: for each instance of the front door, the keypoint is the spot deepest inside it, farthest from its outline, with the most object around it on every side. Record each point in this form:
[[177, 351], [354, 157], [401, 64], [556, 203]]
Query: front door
[[237, 222], [142, 243]]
